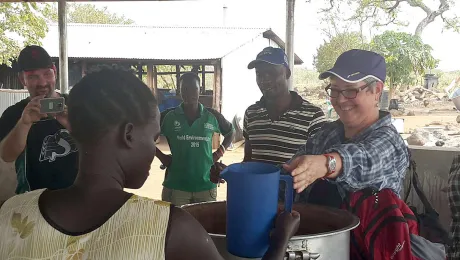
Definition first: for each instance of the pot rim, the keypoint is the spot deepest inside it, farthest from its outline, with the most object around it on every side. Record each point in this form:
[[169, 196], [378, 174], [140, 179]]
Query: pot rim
[[354, 224]]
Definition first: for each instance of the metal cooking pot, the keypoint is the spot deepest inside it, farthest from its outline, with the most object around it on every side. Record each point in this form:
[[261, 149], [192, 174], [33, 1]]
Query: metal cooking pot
[[324, 233]]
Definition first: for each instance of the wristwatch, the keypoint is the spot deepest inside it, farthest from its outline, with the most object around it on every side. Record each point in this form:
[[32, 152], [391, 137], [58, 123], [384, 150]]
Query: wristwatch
[[331, 164]]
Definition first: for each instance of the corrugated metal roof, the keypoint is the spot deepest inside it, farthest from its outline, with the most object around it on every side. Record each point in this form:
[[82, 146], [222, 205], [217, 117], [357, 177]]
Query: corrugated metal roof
[[9, 97], [149, 43]]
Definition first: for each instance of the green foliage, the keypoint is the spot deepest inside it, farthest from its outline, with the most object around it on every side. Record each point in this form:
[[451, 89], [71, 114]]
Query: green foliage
[[89, 13], [306, 79], [380, 13], [328, 52], [407, 57], [445, 78], [21, 24]]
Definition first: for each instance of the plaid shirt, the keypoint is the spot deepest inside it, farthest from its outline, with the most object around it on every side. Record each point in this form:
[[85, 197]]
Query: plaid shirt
[[376, 158], [453, 251]]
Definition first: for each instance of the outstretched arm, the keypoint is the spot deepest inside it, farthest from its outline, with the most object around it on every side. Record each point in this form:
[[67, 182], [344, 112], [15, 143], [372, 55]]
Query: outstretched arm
[[164, 159], [187, 239]]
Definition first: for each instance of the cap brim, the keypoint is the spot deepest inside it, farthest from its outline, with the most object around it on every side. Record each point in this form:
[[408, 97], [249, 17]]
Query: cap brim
[[254, 63], [36, 68], [347, 76]]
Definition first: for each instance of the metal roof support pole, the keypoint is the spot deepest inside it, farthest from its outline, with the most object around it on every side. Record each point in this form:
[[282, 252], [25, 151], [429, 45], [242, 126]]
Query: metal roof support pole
[[63, 59], [290, 4]]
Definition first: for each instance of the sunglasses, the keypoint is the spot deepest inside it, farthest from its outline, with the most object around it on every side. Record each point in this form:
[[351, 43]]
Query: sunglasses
[[347, 93]]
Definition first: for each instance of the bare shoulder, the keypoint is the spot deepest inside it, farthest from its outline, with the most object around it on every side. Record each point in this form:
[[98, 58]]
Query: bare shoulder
[[186, 233]]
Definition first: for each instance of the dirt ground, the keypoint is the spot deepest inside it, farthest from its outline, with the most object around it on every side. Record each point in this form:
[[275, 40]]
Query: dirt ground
[[153, 186]]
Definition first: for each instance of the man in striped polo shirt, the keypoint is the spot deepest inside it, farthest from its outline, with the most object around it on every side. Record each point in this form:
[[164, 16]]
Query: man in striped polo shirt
[[281, 122]]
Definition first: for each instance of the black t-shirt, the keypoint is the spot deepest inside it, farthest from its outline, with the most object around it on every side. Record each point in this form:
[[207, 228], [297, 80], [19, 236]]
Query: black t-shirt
[[50, 159]]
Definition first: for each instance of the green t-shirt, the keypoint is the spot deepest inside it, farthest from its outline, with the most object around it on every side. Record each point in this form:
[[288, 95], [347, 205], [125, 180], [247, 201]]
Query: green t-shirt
[[191, 147]]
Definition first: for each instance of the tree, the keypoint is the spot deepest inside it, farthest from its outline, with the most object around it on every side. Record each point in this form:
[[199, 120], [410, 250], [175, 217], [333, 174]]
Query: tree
[[407, 57], [385, 12], [328, 52], [89, 13], [21, 24]]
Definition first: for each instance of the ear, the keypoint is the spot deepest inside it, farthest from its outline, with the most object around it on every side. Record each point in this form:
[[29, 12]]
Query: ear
[[379, 89], [127, 134], [288, 73]]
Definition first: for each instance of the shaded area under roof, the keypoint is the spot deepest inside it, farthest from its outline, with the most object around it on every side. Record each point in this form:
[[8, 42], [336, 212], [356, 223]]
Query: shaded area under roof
[[154, 43]]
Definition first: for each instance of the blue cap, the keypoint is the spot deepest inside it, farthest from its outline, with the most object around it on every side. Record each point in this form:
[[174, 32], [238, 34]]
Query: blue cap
[[271, 55], [356, 65]]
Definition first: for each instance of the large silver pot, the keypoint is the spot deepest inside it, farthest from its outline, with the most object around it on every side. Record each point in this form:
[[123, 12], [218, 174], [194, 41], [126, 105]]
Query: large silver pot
[[324, 233]]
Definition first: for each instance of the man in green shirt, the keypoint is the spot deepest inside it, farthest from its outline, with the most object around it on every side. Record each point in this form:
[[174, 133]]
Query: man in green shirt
[[189, 129]]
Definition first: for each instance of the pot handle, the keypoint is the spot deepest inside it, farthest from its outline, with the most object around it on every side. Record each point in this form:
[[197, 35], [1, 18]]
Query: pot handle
[[301, 255]]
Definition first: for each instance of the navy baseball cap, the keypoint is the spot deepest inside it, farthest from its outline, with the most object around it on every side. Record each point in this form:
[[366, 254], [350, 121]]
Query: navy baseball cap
[[356, 65], [271, 55], [34, 57]]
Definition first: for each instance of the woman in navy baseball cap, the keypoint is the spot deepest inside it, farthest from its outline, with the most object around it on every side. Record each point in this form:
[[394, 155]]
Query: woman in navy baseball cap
[[359, 162]]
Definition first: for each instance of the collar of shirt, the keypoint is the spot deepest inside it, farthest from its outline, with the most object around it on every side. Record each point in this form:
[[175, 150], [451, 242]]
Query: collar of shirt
[[296, 101], [180, 109], [384, 120]]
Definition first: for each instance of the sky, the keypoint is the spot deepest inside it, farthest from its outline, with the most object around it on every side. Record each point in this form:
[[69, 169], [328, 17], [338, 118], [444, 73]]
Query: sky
[[272, 14]]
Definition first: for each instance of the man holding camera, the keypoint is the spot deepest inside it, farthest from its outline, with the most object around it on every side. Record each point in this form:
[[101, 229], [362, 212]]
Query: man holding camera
[[36, 136]]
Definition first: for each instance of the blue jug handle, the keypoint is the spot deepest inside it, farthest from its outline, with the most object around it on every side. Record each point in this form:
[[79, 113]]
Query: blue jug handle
[[288, 193]]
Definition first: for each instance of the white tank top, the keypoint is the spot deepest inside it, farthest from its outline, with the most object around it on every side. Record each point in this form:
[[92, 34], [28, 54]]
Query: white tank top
[[136, 231]]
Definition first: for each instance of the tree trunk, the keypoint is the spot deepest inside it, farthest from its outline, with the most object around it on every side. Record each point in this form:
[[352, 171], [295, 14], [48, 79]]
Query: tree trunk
[[424, 23]]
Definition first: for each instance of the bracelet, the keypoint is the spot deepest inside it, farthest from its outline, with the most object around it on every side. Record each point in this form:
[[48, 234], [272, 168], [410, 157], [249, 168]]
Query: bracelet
[[221, 150]]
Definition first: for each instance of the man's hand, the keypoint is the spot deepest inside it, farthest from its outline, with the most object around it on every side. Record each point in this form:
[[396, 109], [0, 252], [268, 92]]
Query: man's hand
[[215, 157], [31, 113], [306, 169], [215, 171], [62, 118]]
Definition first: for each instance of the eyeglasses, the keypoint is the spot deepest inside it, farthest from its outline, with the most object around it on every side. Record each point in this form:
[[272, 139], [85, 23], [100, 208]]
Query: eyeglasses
[[347, 93]]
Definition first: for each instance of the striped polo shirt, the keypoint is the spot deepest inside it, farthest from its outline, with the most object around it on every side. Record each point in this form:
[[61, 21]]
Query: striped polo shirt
[[276, 141]]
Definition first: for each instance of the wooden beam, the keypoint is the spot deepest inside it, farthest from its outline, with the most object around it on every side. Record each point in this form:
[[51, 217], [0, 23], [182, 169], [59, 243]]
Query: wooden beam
[[217, 88], [216, 101], [139, 71], [182, 72], [155, 81], [150, 76], [203, 79], [177, 76]]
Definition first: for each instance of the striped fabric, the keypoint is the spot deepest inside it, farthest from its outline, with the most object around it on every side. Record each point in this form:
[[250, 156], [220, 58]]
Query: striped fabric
[[453, 251], [375, 158], [277, 141], [136, 231]]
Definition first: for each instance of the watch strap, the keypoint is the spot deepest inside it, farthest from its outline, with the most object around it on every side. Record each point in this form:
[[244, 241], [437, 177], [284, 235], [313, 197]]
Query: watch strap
[[329, 170]]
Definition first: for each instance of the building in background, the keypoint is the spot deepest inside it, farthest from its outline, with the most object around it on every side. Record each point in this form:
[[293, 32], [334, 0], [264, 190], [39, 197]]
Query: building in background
[[219, 55]]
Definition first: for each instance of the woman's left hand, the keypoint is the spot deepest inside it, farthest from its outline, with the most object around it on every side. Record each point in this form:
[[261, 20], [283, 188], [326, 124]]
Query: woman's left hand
[[306, 169]]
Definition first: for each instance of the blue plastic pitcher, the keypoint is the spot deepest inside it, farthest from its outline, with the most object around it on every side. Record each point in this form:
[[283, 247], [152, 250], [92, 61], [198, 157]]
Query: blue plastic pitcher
[[252, 205]]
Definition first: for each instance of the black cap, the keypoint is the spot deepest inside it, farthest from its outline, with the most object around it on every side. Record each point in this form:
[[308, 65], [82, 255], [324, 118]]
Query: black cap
[[355, 65], [34, 57]]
